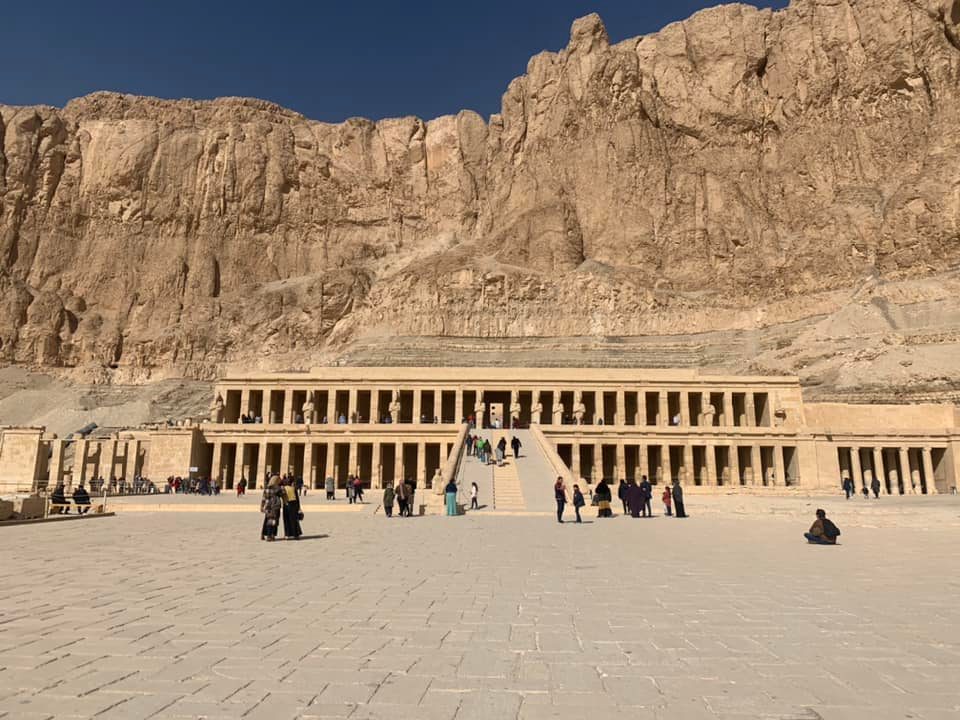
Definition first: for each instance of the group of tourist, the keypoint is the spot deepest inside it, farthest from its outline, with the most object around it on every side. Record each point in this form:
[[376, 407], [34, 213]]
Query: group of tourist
[[403, 495], [850, 488], [634, 497], [281, 499], [120, 486], [60, 505], [480, 448], [192, 486]]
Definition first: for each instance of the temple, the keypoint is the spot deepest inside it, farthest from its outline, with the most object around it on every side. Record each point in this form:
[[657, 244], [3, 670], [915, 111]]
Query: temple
[[711, 433]]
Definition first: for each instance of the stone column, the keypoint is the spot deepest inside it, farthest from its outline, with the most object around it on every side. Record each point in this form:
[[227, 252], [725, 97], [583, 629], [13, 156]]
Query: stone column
[[215, 461], [663, 417], [779, 474], [597, 462], [644, 460], [728, 419], [133, 456], [621, 471], [878, 469], [621, 418], [244, 403], [332, 406], [757, 465], [352, 459], [750, 410], [710, 463], [855, 470], [308, 474], [458, 414], [376, 472], [599, 407], [928, 473], [685, 411], [905, 476], [352, 405], [80, 452], [330, 464], [688, 468], [375, 405], [642, 407], [734, 465], [239, 471], [56, 462], [260, 471], [284, 457], [575, 460], [665, 464], [421, 478], [398, 469], [108, 455], [289, 411]]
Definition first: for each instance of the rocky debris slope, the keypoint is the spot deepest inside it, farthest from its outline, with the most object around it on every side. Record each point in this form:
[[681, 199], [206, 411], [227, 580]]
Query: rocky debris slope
[[740, 171]]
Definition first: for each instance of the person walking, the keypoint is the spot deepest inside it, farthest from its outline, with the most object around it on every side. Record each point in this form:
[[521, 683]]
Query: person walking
[[411, 497], [451, 493], [328, 485], [875, 486], [634, 499], [349, 489], [291, 510], [622, 494], [848, 488], [388, 495], [560, 493], [270, 506], [604, 496], [242, 487], [578, 501], [516, 445], [401, 498], [501, 450], [646, 496], [678, 499], [358, 489], [666, 501], [474, 492], [469, 443]]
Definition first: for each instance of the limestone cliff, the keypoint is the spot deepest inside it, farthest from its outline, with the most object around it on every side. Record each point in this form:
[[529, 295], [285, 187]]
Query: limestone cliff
[[735, 172]]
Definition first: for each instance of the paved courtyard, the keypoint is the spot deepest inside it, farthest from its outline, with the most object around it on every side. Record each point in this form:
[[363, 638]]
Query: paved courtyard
[[176, 615]]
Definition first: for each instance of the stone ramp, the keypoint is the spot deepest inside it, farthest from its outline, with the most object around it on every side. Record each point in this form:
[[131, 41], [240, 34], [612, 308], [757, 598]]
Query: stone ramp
[[535, 471], [472, 470], [507, 492]]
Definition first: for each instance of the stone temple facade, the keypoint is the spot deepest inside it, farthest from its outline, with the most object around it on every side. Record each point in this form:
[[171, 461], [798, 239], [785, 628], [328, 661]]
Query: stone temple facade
[[712, 433]]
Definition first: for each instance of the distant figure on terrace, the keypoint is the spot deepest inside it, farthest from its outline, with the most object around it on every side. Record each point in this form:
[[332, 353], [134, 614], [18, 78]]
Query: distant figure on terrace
[[823, 531], [516, 445], [848, 487], [875, 486]]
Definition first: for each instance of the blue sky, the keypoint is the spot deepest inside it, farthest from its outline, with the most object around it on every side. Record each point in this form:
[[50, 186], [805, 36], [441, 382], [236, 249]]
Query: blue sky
[[326, 60]]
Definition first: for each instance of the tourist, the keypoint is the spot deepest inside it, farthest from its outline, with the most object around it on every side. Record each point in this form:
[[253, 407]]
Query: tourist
[[604, 498], [823, 531], [848, 487], [666, 497], [291, 510], [402, 498], [59, 497], [388, 495], [242, 487], [501, 450], [451, 493], [866, 492], [81, 499], [270, 506], [329, 486], [875, 486], [474, 493], [578, 501], [646, 496], [622, 494], [516, 445], [411, 498], [358, 489], [678, 499], [560, 493], [632, 498], [469, 443], [350, 490]]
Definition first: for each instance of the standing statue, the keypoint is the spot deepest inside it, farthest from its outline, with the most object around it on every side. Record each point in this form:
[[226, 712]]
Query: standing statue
[[394, 407], [479, 408], [216, 409], [515, 409], [536, 412], [579, 409], [558, 411], [709, 411], [308, 409]]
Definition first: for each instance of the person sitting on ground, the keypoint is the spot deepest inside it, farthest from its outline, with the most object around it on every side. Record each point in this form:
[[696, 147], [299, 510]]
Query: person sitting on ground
[[58, 497], [823, 531], [82, 500]]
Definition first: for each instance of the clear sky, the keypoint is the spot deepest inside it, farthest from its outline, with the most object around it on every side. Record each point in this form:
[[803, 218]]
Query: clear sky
[[327, 60]]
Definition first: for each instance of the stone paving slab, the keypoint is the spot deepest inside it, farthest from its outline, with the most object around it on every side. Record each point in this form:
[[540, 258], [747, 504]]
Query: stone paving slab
[[168, 615]]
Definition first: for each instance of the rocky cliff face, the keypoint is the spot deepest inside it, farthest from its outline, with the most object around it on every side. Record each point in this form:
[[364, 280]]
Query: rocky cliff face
[[739, 170]]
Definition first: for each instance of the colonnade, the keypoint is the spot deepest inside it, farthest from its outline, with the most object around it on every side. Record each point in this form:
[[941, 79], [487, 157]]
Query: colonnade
[[901, 470]]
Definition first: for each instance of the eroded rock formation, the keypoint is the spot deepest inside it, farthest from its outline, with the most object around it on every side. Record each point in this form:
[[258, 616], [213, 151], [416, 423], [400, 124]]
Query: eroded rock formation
[[738, 170]]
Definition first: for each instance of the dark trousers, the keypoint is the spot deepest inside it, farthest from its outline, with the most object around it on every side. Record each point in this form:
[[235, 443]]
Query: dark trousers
[[388, 510], [291, 520], [814, 540], [646, 509], [401, 507], [576, 509], [473, 504], [560, 506], [678, 504]]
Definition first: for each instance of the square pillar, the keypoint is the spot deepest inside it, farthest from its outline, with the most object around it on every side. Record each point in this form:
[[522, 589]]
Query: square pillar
[[261, 468], [417, 407], [734, 461], [244, 402], [329, 467], [352, 415], [779, 471], [575, 460], [215, 462], [421, 479], [685, 410], [878, 469], [663, 416], [376, 473], [284, 458], [905, 475], [374, 405], [398, 474], [289, 412], [644, 463], [621, 418], [641, 407], [855, 468], [332, 406], [56, 462], [309, 477], [927, 455], [750, 410], [710, 463], [352, 459], [688, 469], [597, 471], [756, 465], [621, 471], [666, 464], [239, 471], [108, 456], [727, 419], [458, 406]]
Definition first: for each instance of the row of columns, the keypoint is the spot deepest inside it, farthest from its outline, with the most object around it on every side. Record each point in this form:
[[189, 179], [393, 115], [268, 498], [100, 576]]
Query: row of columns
[[119, 459], [713, 475], [547, 397], [863, 476]]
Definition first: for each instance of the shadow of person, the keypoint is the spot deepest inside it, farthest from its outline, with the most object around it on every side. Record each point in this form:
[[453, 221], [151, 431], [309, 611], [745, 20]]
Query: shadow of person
[[314, 537]]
